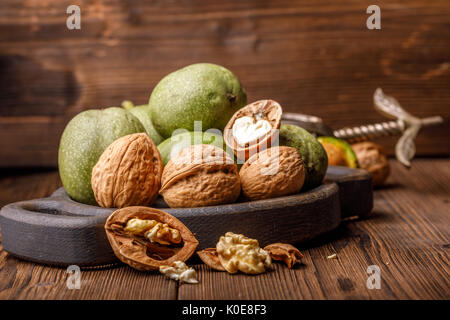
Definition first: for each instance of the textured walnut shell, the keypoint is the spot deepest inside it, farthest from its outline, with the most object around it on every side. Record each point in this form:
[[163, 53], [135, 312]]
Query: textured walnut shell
[[198, 176], [211, 258], [284, 252], [271, 173], [269, 110], [138, 252], [127, 173], [371, 157]]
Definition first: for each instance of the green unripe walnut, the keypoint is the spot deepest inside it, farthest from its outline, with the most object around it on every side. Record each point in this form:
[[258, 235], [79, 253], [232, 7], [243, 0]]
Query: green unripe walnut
[[143, 114], [83, 141], [200, 92], [173, 145], [313, 154]]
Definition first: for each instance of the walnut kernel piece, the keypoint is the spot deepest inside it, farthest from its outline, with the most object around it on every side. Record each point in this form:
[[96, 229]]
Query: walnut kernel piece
[[128, 173], [284, 252], [154, 231], [179, 271], [271, 173], [238, 253], [200, 175], [249, 129], [128, 230], [252, 128]]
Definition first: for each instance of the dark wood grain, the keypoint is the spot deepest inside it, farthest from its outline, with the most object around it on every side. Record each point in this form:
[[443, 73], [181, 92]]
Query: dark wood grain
[[313, 57], [406, 236]]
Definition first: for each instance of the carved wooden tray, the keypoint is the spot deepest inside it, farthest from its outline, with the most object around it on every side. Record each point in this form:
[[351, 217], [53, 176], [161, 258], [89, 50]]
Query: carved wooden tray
[[59, 231]]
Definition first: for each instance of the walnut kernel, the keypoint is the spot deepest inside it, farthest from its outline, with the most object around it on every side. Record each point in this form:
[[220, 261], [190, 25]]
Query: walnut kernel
[[239, 253]]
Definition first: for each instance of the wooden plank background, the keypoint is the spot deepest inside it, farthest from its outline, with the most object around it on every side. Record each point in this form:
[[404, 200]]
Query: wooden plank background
[[315, 57]]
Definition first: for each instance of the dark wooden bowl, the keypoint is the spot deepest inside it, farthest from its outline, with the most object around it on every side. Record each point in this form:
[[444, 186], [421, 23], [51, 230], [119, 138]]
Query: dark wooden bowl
[[59, 231]]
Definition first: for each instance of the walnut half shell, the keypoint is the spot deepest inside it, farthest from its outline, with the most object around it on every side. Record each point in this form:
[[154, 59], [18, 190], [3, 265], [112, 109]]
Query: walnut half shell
[[252, 128], [138, 251]]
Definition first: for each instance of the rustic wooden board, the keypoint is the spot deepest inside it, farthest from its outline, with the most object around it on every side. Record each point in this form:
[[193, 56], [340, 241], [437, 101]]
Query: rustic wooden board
[[406, 236], [314, 57], [61, 231]]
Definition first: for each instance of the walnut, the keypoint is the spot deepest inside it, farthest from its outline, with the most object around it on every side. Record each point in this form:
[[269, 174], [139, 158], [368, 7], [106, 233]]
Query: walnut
[[238, 253], [252, 128], [274, 172], [211, 258], [153, 230], [284, 252], [128, 173], [372, 158], [200, 175], [128, 231], [179, 271]]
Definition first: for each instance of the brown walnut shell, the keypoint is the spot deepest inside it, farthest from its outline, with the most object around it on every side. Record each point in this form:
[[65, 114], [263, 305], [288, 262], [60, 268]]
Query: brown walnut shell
[[269, 110], [372, 158], [128, 173], [200, 175], [271, 173], [284, 252], [211, 258], [138, 252]]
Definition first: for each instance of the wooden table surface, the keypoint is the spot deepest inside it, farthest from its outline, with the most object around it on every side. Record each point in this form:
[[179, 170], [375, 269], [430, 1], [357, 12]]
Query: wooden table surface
[[406, 236]]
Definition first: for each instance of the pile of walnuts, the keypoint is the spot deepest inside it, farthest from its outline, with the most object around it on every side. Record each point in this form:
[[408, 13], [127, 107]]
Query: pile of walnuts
[[130, 175], [130, 171]]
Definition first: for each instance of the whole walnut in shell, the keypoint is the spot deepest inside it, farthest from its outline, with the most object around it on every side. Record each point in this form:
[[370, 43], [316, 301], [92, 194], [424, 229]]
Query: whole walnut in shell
[[200, 175], [371, 157], [271, 173], [128, 173]]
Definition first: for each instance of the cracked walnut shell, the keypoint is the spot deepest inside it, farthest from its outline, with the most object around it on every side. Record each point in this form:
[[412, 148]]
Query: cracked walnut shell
[[131, 245], [200, 175], [284, 252], [127, 173], [252, 128], [271, 173]]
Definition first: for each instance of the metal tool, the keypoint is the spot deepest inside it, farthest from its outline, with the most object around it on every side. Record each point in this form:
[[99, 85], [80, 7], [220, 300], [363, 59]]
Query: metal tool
[[405, 125]]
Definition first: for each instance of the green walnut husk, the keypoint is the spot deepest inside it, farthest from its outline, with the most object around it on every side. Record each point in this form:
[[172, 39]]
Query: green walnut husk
[[313, 154], [200, 92], [173, 145], [84, 139], [143, 114], [346, 154]]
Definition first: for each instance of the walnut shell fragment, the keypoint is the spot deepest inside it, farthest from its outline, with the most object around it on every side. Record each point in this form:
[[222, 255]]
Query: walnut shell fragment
[[200, 175], [139, 252], [284, 252], [252, 128], [211, 258], [127, 173], [271, 173]]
